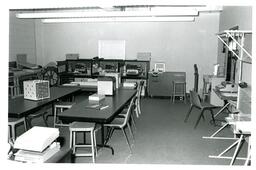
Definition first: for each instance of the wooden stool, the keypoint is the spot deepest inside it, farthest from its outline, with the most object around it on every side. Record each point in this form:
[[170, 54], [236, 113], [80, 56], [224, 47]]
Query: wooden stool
[[13, 122], [181, 93], [60, 106], [83, 127]]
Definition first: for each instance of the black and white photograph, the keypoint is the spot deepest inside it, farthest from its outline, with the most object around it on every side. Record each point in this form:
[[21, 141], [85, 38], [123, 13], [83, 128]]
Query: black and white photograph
[[124, 82]]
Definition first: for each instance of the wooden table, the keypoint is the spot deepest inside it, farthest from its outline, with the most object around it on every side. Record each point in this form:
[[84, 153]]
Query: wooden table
[[81, 111], [20, 107]]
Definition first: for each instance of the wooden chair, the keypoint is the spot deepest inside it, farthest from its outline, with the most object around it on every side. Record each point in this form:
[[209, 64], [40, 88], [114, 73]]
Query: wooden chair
[[121, 123], [195, 102]]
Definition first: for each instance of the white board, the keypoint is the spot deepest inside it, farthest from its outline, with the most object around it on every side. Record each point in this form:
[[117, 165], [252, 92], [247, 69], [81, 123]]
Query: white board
[[111, 49]]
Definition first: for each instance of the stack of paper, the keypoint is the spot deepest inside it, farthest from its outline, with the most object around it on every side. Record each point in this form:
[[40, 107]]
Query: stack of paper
[[96, 97], [36, 139], [129, 84], [37, 157]]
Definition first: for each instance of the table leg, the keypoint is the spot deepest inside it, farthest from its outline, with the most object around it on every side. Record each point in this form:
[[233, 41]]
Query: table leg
[[103, 140]]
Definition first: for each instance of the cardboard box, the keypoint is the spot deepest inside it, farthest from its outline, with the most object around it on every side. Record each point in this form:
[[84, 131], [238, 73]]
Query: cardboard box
[[36, 89]]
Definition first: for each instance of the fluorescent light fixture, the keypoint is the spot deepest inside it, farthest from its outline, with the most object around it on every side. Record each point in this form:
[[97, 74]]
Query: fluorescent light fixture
[[120, 19], [41, 15]]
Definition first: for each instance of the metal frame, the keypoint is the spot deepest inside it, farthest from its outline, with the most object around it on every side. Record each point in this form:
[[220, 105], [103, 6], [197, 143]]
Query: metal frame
[[233, 34], [241, 35]]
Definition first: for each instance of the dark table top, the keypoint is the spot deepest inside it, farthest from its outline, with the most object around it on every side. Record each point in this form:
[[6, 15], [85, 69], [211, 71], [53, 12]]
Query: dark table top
[[20, 107], [82, 112]]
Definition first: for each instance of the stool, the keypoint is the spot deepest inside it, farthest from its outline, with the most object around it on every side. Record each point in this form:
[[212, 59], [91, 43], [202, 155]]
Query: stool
[[61, 106], [83, 127], [13, 122], [181, 93]]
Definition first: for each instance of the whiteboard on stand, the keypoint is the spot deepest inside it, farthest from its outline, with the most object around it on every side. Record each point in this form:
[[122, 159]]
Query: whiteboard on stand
[[111, 49]]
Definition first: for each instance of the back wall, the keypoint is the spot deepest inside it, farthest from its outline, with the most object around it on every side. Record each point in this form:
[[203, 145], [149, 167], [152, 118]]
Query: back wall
[[179, 45]]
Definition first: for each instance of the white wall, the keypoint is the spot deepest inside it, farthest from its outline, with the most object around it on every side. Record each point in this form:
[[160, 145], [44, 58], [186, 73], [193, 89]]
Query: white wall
[[21, 38], [179, 44]]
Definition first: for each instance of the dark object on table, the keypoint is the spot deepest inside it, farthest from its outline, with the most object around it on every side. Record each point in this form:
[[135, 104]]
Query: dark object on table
[[243, 85]]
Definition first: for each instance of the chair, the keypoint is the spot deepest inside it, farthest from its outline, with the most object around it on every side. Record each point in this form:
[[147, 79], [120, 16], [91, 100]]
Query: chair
[[121, 123], [133, 111], [83, 127], [12, 123], [60, 106], [206, 87], [41, 113], [137, 101], [195, 102]]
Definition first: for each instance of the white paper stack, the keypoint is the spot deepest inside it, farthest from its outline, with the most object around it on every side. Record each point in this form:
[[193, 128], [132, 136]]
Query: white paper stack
[[129, 84], [96, 97], [37, 157], [37, 138]]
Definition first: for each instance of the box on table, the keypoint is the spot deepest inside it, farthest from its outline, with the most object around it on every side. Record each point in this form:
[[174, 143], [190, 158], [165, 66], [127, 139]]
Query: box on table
[[106, 85], [96, 97], [36, 89]]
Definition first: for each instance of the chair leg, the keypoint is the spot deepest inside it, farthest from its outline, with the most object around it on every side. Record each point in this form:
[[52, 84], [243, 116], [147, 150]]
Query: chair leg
[[127, 140], [139, 105], [213, 119], [130, 130], [45, 119], [136, 110], [201, 113], [133, 122], [189, 111]]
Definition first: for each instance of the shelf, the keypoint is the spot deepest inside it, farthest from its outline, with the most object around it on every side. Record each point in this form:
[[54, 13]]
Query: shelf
[[237, 37]]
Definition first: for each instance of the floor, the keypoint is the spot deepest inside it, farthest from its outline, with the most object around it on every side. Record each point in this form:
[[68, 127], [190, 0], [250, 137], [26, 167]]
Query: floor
[[162, 137]]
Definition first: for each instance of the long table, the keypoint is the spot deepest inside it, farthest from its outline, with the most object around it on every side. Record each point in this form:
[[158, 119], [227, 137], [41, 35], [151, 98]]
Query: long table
[[19, 107], [82, 112]]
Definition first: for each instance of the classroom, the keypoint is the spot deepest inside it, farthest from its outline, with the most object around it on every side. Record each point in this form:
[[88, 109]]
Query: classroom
[[130, 82]]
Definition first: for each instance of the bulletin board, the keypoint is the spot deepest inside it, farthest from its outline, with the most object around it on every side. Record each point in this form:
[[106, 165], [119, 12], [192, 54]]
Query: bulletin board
[[111, 49]]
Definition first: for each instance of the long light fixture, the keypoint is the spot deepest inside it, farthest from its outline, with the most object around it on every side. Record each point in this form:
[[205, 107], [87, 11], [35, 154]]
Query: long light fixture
[[120, 19], [83, 14]]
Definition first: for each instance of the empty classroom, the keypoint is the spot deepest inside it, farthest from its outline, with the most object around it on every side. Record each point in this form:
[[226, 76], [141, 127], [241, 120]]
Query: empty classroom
[[147, 82]]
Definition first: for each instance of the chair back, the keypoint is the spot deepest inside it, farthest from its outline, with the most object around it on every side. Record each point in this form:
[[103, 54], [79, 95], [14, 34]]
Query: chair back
[[194, 99], [139, 88], [129, 111]]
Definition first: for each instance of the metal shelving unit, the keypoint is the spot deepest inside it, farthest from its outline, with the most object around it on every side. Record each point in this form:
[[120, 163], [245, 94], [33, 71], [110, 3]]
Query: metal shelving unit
[[243, 56]]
